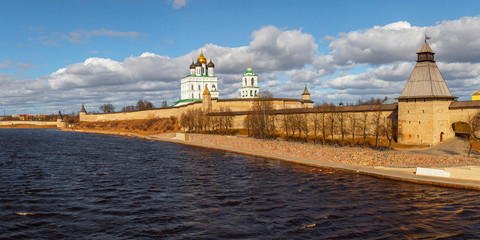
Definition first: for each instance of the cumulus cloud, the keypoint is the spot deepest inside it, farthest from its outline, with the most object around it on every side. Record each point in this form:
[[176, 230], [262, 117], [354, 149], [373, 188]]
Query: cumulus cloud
[[456, 40], [374, 62]]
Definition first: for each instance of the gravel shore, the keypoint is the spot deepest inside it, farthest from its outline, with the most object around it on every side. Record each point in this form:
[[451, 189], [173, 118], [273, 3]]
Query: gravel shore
[[345, 155]]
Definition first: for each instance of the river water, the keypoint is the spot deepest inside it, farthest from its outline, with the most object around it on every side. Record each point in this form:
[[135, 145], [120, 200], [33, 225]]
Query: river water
[[67, 185]]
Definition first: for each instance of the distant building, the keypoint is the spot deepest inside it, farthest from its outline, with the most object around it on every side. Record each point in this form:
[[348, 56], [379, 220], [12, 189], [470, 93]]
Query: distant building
[[249, 88], [476, 96]]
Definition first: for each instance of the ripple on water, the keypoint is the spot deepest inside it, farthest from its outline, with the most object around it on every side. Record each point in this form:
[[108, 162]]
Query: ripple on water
[[58, 185]]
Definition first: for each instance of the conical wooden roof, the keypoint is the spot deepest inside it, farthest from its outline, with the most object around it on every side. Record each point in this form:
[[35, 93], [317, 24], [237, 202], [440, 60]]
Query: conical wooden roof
[[305, 91], [426, 81]]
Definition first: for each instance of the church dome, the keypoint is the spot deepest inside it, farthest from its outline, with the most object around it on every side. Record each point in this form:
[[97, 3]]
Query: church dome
[[210, 64], [202, 59], [192, 66], [198, 64]]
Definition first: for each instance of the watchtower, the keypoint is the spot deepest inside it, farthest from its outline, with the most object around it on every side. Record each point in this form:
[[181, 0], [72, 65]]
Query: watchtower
[[423, 106]]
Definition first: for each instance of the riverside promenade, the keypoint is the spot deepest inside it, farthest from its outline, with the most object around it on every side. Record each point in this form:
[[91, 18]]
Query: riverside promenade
[[465, 171]]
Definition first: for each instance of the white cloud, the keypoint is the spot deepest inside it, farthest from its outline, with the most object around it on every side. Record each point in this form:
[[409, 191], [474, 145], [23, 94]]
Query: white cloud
[[80, 35], [179, 3], [457, 40], [366, 63]]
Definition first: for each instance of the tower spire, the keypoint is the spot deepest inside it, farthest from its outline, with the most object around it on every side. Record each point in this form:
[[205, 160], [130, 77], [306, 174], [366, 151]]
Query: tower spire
[[249, 61]]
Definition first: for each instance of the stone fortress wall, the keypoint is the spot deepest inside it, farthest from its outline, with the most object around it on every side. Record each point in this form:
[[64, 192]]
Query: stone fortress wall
[[235, 105]]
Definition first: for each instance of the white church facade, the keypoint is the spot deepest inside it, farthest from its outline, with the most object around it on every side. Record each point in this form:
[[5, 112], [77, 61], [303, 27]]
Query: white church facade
[[202, 75], [250, 87]]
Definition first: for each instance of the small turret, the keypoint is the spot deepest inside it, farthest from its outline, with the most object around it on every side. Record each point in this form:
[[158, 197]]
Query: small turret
[[207, 99], [59, 119], [83, 113], [305, 94]]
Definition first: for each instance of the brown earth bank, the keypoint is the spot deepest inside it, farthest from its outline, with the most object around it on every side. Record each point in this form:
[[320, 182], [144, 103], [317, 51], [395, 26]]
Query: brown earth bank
[[28, 126], [142, 127]]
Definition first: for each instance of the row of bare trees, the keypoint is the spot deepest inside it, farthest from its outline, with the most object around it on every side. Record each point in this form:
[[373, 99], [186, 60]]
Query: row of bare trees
[[200, 121], [325, 121], [260, 121], [328, 121]]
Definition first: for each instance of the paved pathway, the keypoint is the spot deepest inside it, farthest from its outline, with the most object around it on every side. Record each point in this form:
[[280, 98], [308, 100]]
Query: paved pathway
[[452, 148]]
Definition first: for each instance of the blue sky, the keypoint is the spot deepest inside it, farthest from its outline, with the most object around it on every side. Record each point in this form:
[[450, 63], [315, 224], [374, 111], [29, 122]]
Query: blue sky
[[60, 54]]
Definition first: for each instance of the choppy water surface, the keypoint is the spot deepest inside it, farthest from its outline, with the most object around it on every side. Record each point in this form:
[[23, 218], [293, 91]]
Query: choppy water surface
[[57, 185]]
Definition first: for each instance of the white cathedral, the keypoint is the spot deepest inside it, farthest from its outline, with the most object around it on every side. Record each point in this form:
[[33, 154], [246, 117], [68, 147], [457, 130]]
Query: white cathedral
[[202, 76]]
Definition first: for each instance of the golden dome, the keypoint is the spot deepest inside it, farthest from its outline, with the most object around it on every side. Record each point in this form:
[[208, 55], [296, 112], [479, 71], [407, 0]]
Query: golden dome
[[202, 59]]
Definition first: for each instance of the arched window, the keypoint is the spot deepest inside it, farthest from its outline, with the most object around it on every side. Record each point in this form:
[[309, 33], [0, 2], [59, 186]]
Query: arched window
[[192, 89], [245, 81], [251, 93], [213, 87], [192, 95], [199, 88], [255, 92], [252, 81]]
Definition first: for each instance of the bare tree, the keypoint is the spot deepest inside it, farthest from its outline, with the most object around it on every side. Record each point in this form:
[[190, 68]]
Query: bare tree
[[304, 125], [364, 127], [164, 104], [107, 108], [129, 108], [263, 124], [352, 120], [331, 122], [388, 130], [324, 120], [286, 121], [315, 117], [144, 105], [377, 124], [341, 121]]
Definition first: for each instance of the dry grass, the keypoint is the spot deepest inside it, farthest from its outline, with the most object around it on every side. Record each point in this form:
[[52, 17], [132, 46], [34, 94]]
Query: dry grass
[[143, 127]]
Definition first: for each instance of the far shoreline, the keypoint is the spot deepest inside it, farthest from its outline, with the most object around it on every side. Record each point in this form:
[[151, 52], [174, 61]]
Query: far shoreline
[[27, 126], [399, 174]]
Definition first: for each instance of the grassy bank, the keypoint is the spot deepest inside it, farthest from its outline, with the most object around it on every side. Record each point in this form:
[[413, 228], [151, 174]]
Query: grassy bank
[[141, 127]]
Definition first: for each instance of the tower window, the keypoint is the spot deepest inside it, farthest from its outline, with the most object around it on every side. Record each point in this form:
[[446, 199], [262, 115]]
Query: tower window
[[252, 81], [245, 81], [192, 89]]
